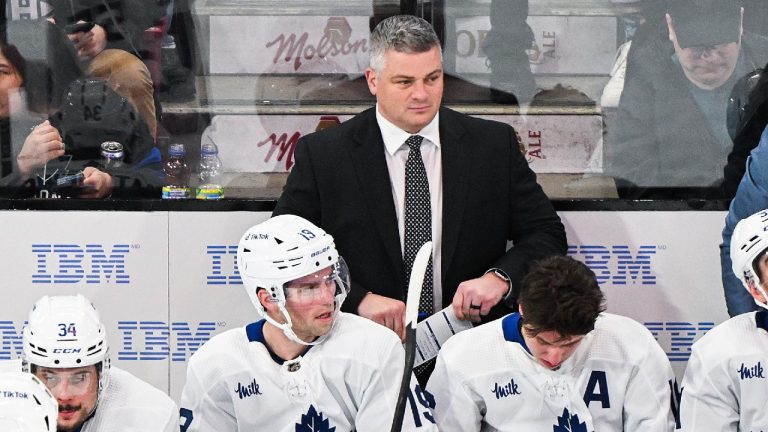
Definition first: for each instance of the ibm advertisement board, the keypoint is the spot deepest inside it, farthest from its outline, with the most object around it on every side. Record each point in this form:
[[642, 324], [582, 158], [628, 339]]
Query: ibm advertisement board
[[166, 282]]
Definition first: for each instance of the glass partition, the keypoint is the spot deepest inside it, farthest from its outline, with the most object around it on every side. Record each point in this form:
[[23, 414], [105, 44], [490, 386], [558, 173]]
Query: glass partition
[[191, 99]]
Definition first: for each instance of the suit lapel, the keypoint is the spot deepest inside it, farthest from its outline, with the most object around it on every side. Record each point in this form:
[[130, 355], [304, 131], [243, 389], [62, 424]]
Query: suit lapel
[[457, 170], [370, 164]]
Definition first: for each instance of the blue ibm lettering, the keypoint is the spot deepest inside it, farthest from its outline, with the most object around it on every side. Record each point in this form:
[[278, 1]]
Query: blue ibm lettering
[[747, 372], [155, 340], [12, 345], [248, 390], [681, 336], [223, 257], [72, 263], [502, 391], [617, 264]]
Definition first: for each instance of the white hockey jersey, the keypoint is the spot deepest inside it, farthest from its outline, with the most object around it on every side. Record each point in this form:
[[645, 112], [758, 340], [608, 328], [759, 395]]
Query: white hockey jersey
[[348, 382], [726, 384], [618, 379], [129, 404]]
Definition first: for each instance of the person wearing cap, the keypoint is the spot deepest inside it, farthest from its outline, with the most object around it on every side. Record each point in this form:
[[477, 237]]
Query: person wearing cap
[[724, 387], [65, 346], [675, 97]]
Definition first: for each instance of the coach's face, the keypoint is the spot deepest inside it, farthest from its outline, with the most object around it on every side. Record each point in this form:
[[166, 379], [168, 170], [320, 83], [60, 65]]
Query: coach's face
[[409, 87]]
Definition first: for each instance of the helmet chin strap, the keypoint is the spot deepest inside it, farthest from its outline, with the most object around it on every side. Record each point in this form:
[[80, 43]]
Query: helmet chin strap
[[765, 296]]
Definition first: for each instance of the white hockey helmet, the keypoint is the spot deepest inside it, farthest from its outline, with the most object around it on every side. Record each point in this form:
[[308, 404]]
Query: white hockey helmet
[[66, 332], [26, 405], [283, 249], [748, 243]]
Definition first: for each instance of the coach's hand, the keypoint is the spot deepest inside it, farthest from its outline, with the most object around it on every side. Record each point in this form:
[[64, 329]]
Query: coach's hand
[[475, 298], [386, 311]]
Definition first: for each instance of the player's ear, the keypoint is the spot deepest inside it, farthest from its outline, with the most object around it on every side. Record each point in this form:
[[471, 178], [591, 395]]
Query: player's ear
[[520, 309], [263, 297]]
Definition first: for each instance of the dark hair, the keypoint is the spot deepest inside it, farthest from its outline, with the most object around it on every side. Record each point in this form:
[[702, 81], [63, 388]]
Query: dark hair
[[45, 59], [560, 294]]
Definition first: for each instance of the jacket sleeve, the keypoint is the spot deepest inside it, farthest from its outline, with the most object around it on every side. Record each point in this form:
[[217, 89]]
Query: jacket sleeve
[[751, 197], [631, 142], [534, 227]]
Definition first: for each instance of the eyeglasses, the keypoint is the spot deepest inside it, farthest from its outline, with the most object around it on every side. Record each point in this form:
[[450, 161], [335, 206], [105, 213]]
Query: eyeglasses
[[76, 383]]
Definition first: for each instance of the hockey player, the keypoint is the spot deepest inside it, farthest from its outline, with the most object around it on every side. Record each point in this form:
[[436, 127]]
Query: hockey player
[[560, 364], [65, 346], [25, 404], [305, 366], [724, 388]]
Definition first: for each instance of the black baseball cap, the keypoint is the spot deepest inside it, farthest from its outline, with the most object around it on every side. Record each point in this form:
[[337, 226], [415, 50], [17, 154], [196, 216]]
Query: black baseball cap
[[705, 22]]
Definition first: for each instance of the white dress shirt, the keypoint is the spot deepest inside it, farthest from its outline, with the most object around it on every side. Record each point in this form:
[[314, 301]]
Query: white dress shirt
[[396, 152]]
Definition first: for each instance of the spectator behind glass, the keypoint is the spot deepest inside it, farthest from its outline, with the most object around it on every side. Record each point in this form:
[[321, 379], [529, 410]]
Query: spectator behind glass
[[106, 49], [41, 77], [675, 99]]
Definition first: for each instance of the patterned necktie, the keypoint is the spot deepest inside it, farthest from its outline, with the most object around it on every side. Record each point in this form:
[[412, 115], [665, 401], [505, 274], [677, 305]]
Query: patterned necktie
[[418, 219]]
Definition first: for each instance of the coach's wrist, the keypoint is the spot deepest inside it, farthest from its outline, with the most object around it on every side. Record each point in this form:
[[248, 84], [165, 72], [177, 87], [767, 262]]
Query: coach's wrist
[[504, 278]]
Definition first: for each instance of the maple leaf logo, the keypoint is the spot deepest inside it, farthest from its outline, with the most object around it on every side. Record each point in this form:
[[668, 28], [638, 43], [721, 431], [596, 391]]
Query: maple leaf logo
[[313, 421], [569, 423]]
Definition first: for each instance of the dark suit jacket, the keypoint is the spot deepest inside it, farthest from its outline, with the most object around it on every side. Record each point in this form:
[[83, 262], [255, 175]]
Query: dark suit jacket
[[340, 182]]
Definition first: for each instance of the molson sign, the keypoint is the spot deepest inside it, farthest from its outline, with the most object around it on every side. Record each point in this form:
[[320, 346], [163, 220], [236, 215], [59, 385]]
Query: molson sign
[[266, 143], [288, 44]]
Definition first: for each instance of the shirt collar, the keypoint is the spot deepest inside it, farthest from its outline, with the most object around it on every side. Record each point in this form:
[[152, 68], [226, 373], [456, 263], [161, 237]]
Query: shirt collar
[[394, 137]]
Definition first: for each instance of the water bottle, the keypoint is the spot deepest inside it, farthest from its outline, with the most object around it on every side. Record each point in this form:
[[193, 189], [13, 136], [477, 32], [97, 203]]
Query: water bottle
[[111, 154], [176, 173], [209, 187]]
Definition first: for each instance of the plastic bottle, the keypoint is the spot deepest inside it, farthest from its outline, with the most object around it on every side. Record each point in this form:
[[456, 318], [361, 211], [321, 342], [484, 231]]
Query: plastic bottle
[[111, 154], [209, 186], [176, 173]]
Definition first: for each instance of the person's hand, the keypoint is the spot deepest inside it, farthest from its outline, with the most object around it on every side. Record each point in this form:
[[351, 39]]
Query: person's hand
[[90, 44], [475, 298], [96, 184], [386, 311], [41, 145]]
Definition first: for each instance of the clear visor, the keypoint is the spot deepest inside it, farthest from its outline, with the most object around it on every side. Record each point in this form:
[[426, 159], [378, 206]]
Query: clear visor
[[62, 383], [322, 286]]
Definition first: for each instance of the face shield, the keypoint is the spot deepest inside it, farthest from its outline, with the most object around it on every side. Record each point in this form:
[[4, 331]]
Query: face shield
[[331, 284], [69, 383]]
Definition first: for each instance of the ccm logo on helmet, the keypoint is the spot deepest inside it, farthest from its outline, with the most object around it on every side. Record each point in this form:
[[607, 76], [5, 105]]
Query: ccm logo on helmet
[[66, 350], [323, 250]]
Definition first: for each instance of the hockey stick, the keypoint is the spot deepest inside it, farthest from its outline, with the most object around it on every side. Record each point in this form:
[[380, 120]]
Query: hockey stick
[[418, 270]]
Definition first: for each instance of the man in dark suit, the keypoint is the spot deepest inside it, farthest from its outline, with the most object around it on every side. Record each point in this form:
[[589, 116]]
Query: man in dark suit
[[350, 180]]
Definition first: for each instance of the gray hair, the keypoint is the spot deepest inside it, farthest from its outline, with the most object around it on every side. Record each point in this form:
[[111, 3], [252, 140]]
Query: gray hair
[[402, 33]]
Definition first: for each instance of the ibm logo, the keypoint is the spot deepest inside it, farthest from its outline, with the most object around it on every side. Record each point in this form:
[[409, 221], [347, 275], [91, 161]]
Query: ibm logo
[[73, 263], [618, 264], [11, 346], [156, 340], [141, 340], [223, 258], [680, 335]]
